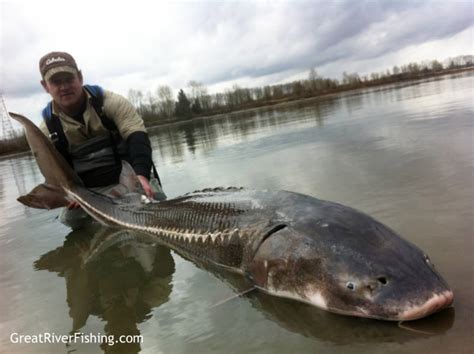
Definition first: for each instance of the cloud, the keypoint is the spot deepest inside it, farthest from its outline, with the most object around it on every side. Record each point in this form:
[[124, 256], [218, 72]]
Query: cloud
[[142, 45]]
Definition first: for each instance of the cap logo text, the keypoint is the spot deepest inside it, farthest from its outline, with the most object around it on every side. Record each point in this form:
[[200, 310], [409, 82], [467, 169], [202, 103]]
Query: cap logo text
[[54, 60]]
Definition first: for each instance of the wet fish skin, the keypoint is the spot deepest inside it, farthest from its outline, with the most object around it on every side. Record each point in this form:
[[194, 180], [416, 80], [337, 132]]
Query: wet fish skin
[[288, 244]]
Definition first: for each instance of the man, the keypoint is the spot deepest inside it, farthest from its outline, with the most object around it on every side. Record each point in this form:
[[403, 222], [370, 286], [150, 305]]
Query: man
[[94, 130]]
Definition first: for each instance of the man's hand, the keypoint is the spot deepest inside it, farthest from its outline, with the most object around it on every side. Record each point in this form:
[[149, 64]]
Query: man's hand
[[146, 186]]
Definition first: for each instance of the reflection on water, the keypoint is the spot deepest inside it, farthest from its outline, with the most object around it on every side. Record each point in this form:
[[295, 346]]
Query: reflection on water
[[115, 275], [174, 141], [341, 330], [401, 153], [324, 326], [120, 277]]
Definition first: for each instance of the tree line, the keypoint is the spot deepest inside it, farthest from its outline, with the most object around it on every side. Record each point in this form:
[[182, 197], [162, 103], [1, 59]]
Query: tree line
[[160, 106], [14, 143]]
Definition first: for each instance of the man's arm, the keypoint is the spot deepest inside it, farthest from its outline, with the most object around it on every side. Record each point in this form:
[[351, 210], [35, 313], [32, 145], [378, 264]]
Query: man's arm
[[139, 150], [132, 129]]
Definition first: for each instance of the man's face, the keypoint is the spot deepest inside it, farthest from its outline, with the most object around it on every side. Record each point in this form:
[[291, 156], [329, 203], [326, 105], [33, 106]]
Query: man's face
[[65, 89]]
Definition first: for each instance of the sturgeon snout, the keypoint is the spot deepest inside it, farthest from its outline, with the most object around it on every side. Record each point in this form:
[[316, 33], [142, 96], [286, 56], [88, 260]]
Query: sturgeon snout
[[436, 303]]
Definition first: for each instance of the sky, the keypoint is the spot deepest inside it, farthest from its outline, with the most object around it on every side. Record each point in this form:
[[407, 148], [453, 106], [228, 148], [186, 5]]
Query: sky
[[125, 45]]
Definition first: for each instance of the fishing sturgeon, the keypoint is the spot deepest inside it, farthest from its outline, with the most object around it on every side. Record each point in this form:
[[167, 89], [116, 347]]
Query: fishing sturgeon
[[287, 244]]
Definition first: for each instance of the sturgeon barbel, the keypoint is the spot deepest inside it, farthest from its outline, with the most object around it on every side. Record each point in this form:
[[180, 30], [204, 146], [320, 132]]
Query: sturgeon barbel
[[288, 244]]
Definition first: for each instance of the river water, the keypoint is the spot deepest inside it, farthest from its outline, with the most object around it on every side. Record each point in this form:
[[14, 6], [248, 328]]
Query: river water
[[403, 154]]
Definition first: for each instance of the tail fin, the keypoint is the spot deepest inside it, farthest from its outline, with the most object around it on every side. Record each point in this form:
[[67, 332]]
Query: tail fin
[[53, 167], [60, 177]]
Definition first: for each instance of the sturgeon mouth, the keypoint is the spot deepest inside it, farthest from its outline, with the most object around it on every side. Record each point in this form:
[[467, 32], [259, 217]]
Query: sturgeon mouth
[[432, 305]]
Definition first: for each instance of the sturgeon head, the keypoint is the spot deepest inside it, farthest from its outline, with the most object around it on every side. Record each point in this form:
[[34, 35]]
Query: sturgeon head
[[345, 262]]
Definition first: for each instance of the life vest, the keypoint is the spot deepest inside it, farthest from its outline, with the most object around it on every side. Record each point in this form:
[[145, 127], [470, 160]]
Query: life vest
[[56, 131], [97, 161]]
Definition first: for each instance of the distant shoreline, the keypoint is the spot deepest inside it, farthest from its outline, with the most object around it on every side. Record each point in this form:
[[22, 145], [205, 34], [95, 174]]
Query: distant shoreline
[[19, 146], [16, 154], [335, 92]]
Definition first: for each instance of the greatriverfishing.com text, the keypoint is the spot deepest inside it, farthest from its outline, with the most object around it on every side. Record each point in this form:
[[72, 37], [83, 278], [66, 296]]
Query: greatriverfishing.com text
[[77, 337]]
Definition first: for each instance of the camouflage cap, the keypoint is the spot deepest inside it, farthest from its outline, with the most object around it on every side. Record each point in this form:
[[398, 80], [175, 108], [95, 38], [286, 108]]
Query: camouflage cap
[[57, 62]]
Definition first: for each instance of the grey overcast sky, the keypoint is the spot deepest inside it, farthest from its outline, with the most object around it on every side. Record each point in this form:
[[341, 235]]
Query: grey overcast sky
[[141, 45]]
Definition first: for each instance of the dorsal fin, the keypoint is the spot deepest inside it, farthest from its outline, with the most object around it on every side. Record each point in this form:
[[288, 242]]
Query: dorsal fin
[[129, 179], [128, 183], [216, 189]]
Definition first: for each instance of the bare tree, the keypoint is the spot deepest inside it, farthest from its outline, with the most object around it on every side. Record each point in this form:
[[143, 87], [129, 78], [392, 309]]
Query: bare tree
[[135, 97], [166, 102], [197, 90], [152, 103], [198, 95]]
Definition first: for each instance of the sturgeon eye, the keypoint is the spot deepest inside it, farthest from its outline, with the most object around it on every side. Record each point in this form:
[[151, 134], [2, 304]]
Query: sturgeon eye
[[350, 286]]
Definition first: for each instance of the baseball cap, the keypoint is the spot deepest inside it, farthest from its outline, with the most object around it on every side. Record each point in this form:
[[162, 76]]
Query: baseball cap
[[57, 62]]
